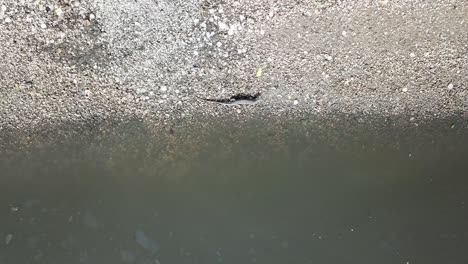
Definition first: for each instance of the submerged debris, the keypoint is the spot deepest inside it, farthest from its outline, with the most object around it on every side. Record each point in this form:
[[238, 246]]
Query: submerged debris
[[127, 256], [146, 242], [90, 220], [8, 238]]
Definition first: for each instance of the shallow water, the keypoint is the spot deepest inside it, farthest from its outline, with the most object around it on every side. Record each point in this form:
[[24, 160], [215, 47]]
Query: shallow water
[[252, 194]]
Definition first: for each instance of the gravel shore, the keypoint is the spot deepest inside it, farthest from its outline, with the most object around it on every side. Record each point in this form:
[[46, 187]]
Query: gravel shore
[[69, 61]]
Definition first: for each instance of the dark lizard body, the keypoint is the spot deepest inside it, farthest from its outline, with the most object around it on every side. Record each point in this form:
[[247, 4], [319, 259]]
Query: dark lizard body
[[238, 99]]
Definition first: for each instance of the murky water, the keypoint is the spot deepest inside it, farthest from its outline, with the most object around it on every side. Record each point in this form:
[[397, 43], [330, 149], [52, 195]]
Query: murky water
[[239, 195]]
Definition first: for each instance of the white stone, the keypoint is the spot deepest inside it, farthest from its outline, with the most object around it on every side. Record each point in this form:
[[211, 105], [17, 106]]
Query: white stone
[[7, 20], [58, 11], [404, 90], [295, 102], [43, 26], [344, 33], [223, 26], [219, 44], [196, 21], [412, 55], [3, 8], [230, 32], [91, 17], [450, 86], [163, 88]]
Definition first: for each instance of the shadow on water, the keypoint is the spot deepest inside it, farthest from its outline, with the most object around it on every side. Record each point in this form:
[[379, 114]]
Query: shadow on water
[[299, 192]]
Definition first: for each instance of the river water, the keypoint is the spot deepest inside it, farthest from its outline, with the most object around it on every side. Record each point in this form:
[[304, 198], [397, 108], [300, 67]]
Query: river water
[[250, 194]]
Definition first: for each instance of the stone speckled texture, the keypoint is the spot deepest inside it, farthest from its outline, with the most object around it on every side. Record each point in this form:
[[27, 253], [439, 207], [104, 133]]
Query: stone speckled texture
[[73, 61]]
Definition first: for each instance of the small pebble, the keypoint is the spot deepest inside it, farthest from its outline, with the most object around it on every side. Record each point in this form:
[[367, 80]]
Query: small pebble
[[223, 26], [412, 55], [344, 33], [58, 11], [87, 93], [43, 26], [7, 20], [3, 8], [404, 90], [295, 102], [163, 88], [91, 17], [450, 86]]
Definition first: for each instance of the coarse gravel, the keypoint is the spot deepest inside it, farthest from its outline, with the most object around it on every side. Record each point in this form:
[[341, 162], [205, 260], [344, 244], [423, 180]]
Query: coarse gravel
[[65, 61]]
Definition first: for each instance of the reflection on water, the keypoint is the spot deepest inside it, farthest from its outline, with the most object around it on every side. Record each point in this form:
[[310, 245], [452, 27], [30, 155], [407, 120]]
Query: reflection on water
[[245, 195]]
